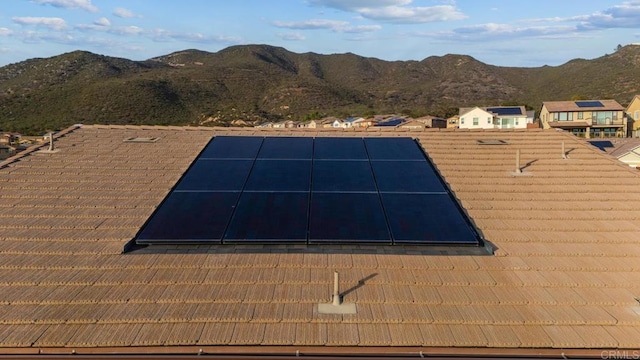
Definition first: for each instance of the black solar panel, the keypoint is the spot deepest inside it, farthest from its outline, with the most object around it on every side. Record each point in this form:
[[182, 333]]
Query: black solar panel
[[332, 148], [280, 175], [586, 104], [426, 219], [406, 176], [342, 176], [232, 147], [339, 217], [216, 175], [190, 217], [305, 190], [286, 148], [393, 149], [269, 217], [502, 111]]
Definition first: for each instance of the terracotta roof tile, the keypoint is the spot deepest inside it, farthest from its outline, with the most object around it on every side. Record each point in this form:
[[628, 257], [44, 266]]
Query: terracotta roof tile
[[310, 334], [216, 333], [558, 277]]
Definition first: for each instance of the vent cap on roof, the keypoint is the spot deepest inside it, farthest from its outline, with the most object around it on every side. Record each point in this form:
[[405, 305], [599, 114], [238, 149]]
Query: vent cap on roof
[[141, 139], [492, 142]]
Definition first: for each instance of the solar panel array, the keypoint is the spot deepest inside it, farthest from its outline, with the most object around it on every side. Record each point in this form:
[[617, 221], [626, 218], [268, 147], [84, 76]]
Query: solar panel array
[[586, 104], [502, 111], [311, 191]]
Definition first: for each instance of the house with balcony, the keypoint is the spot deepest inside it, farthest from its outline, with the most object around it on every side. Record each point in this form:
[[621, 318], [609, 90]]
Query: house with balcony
[[633, 116], [493, 117], [585, 118]]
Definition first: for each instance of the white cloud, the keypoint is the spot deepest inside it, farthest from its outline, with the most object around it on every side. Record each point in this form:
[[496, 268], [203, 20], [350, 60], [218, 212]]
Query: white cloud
[[49, 22], [123, 13], [395, 11], [360, 29], [412, 15], [625, 15], [126, 30], [291, 36], [333, 25], [354, 5], [69, 4], [312, 24], [161, 35], [103, 21], [5, 31]]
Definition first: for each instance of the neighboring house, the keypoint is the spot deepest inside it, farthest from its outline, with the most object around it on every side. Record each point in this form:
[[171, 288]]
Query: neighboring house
[[585, 118], [265, 125], [633, 116], [627, 150], [309, 124], [329, 122], [412, 125], [494, 117], [631, 158], [475, 118], [395, 121], [6, 151], [453, 122], [433, 121], [364, 123], [10, 138]]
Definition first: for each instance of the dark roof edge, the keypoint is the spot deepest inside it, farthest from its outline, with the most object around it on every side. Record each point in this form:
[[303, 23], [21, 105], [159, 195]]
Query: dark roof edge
[[285, 352]]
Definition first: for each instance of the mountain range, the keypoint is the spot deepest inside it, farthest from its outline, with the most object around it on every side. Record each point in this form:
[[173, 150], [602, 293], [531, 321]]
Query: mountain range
[[248, 84]]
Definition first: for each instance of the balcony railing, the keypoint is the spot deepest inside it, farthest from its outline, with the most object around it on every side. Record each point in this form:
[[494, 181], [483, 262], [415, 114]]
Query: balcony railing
[[606, 121]]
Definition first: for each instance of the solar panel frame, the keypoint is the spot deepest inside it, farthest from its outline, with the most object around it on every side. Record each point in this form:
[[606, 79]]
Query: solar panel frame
[[269, 199]]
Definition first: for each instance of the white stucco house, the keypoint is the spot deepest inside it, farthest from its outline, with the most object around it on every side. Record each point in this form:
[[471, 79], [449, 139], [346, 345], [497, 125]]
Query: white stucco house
[[494, 117]]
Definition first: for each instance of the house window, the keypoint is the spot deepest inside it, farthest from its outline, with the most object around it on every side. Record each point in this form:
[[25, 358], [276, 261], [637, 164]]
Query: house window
[[580, 115], [516, 121], [475, 121], [636, 115], [563, 116], [488, 120], [462, 121]]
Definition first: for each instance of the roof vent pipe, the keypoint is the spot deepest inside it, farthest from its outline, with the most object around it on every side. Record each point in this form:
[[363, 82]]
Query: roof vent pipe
[[336, 306], [518, 169], [564, 153], [336, 289], [51, 141]]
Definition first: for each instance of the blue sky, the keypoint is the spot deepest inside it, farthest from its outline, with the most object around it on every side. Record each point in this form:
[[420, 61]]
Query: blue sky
[[520, 33]]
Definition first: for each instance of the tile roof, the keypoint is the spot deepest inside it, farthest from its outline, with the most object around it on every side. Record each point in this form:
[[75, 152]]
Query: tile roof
[[555, 106], [565, 272]]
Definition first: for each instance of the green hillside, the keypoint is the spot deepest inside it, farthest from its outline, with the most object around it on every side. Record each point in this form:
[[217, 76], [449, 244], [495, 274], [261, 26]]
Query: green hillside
[[255, 83]]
